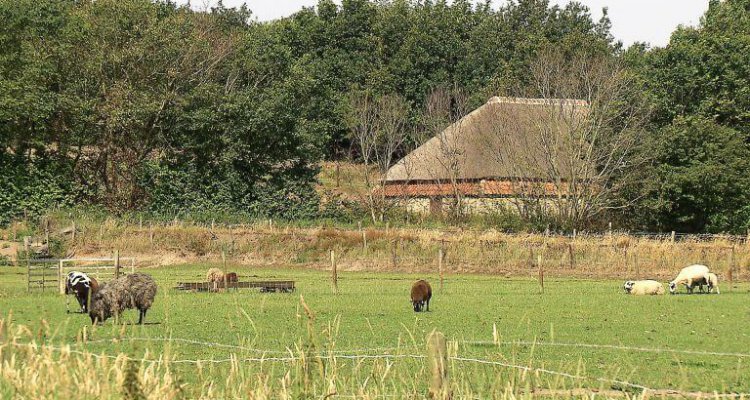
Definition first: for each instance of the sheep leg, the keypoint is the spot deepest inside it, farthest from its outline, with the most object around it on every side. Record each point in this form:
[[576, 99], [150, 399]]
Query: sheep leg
[[428, 304], [141, 316]]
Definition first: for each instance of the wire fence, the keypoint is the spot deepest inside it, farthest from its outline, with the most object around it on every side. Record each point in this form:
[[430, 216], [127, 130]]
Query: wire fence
[[356, 355]]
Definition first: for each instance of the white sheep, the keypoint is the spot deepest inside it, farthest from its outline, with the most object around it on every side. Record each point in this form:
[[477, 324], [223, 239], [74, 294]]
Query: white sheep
[[689, 276], [713, 282], [643, 288]]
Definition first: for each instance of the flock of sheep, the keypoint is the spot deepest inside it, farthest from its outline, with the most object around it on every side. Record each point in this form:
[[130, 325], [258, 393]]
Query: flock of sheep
[[101, 302], [690, 276], [138, 290]]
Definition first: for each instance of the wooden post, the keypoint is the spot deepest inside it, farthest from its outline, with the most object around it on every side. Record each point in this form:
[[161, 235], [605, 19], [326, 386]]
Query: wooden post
[[224, 259], [60, 275], [212, 224], [44, 277], [28, 273], [132, 265], [672, 237], [571, 256], [364, 236], [440, 266], [574, 234], [437, 358], [140, 222], [270, 224], [610, 229], [334, 274], [117, 264], [637, 267], [731, 269], [541, 272], [73, 233], [151, 233], [394, 262]]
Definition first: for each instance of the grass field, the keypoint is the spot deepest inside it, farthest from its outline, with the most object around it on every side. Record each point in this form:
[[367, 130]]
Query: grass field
[[486, 318]]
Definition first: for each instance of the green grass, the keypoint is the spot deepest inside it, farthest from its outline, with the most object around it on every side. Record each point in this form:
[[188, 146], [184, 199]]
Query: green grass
[[372, 311]]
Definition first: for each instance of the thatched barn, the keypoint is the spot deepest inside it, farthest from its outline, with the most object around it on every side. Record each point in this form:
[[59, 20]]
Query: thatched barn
[[507, 149]]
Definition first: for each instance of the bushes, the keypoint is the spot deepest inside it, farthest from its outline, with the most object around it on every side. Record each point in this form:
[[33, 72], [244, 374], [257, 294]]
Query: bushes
[[31, 189]]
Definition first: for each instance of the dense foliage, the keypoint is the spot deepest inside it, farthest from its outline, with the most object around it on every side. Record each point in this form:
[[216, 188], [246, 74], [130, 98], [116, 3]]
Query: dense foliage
[[141, 105]]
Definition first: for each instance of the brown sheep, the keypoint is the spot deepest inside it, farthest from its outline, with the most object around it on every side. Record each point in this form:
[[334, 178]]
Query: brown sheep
[[231, 277], [421, 293]]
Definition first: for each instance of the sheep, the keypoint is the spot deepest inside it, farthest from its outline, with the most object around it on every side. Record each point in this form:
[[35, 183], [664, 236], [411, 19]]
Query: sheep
[[81, 286], [643, 288], [689, 276], [230, 279], [421, 293], [713, 282], [215, 275], [130, 291]]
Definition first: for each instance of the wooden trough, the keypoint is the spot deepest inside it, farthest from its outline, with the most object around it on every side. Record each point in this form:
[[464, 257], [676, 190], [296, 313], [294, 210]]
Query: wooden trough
[[265, 286]]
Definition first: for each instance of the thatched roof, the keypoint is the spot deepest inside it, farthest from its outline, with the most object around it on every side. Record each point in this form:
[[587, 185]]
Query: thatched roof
[[506, 138]]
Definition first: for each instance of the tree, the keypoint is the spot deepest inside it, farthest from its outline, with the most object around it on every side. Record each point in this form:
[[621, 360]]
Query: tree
[[698, 181], [378, 128], [582, 139]]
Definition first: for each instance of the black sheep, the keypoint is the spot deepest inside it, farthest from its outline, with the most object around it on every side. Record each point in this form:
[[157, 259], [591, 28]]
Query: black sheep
[[421, 293]]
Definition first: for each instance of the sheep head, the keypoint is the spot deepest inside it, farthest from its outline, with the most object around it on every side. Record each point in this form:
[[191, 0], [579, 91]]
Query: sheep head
[[672, 287], [628, 286]]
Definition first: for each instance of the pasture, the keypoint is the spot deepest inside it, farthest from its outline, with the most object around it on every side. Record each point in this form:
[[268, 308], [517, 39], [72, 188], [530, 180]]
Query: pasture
[[506, 339]]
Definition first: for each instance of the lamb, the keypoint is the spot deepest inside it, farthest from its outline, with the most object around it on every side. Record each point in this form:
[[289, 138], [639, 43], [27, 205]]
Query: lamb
[[130, 291], [643, 288], [421, 293], [81, 286], [713, 282], [689, 276]]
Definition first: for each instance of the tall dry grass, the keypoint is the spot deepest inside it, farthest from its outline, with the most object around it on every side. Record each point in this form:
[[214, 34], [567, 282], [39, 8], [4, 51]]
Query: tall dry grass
[[413, 250]]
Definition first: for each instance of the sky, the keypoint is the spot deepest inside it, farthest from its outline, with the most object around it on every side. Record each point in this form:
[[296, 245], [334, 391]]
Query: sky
[[650, 21]]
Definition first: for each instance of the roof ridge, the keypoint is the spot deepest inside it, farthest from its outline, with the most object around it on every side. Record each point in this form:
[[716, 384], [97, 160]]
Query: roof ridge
[[536, 101]]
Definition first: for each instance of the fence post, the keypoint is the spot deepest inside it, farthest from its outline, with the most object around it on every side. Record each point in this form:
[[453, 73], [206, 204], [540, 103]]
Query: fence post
[[541, 271], [28, 273], [117, 264], [394, 256], [334, 274], [731, 269], [571, 256], [440, 266], [60, 274], [637, 267], [44, 273], [224, 259], [73, 233], [574, 234], [437, 357]]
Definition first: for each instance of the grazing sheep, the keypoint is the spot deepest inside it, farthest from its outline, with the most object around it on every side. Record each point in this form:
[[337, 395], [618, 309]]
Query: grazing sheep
[[81, 286], [643, 288], [231, 277], [712, 282], [130, 291], [215, 275], [689, 276], [421, 293]]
